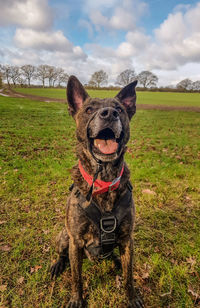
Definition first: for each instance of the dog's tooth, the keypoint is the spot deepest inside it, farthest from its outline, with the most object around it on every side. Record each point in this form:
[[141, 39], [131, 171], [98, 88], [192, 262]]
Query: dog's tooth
[[96, 144]]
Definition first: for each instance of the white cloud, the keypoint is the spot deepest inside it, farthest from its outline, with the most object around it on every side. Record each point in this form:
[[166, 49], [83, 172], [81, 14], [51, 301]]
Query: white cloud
[[139, 42], [112, 61], [100, 52], [90, 5], [190, 70], [115, 14], [15, 56], [125, 50], [122, 19], [173, 46], [177, 40], [53, 48], [99, 20], [34, 39], [21, 58], [192, 18], [175, 43], [78, 52], [173, 27], [42, 40], [35, 14]]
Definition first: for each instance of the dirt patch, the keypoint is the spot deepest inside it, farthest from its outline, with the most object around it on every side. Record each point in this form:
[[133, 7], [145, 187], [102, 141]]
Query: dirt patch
[[12, 93]]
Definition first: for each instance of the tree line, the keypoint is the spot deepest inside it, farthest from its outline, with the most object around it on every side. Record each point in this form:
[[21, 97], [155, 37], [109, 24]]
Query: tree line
[[146, 79], [29, 74], [54, 76], [189, 85]]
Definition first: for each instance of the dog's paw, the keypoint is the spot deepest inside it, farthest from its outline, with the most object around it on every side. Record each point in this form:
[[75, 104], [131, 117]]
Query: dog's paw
[[75, 303], [136, 303], [58, 267]]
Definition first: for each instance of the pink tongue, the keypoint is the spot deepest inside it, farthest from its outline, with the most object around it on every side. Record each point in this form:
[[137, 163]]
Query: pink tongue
[[106, 146]]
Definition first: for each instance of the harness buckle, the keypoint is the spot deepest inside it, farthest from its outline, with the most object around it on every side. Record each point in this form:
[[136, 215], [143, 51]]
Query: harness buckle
[[107, 239], [108, 224]]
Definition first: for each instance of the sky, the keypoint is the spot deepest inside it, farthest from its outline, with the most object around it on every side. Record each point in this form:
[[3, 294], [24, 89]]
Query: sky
[[113, 35]]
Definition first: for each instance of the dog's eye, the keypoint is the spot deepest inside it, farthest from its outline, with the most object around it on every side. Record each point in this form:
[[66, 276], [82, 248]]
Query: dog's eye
[[89, 110], [119, 109]]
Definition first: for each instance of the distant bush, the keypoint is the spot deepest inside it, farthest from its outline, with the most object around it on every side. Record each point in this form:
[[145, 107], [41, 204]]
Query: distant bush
[[102, 88], [167, 89], [161, 89]]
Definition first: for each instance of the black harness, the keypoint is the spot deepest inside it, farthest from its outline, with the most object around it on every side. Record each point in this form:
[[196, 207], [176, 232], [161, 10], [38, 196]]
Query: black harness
[[107, 223]]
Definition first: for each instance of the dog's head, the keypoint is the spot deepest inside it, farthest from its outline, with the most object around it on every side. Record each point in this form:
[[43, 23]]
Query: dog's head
[[102, 124]]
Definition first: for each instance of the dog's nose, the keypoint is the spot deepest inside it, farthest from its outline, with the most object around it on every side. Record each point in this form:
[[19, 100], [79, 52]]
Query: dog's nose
[[109, 113]]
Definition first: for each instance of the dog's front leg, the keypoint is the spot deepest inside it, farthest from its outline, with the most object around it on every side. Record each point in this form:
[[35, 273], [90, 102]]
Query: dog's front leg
[[76, 258], [126, 254]]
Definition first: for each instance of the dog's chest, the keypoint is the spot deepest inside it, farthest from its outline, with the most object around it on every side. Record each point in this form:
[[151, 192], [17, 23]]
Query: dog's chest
[[106, 201], [97, 226]]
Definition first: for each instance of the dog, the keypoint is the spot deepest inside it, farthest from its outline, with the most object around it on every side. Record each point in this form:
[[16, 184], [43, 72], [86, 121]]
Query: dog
[[100, 209]]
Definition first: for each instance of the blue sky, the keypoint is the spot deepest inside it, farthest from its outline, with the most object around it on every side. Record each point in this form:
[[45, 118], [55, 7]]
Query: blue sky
[[113, 35]]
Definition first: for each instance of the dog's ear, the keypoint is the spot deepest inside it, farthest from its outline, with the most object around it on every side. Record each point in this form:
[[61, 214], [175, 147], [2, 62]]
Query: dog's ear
[[127, 97], [76, 95]]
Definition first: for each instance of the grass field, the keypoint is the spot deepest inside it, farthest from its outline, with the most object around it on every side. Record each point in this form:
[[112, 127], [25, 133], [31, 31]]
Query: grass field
[[36, 154], [153, 98]]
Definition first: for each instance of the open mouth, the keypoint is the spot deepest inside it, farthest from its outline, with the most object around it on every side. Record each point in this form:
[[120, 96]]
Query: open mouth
[[106, 143]]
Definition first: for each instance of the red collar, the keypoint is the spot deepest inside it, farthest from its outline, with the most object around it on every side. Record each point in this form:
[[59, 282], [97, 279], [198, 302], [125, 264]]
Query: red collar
[[102, 186]]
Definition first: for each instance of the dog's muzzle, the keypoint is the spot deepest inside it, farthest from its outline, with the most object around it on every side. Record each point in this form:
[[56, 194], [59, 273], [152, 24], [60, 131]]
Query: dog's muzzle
[[105, 133]]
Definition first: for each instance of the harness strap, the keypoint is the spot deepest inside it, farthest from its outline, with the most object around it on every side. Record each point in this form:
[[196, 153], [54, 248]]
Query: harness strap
[[120, 209], [107, 223]]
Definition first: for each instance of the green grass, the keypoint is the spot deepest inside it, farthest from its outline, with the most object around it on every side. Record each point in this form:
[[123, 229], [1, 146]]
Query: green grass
[[169, 99], [36, 154], [46, 92], [152, 98]]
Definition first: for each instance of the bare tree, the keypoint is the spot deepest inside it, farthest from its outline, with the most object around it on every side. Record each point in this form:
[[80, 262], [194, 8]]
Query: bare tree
[[51, 74], [98, 78], [196, 85], [55, 76], [21, 81], [60, 72], [126, 77], [62, 77], [147, 79], [28, 71], [185, 84], [92, 83], [42, 73], [14, 74], [5, 73]]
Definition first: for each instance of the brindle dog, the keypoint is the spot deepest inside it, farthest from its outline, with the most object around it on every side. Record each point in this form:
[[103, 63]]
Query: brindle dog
[[102, 134]]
